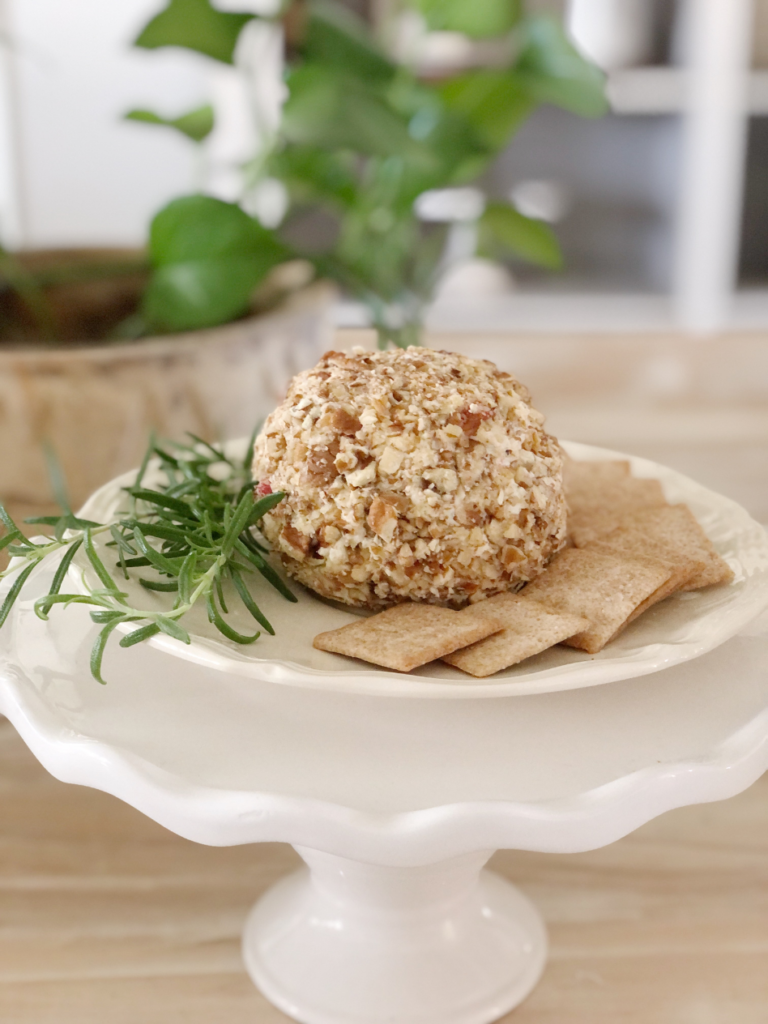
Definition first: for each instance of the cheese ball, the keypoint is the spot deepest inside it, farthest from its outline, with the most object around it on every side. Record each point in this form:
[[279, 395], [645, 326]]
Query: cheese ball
[[410, 475]]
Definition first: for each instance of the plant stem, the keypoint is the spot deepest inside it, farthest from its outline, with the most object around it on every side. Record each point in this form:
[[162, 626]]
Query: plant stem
[[401, 337]]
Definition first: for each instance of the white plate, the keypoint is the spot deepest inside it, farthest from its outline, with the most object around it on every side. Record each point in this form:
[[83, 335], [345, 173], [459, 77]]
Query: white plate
[[683, 627]]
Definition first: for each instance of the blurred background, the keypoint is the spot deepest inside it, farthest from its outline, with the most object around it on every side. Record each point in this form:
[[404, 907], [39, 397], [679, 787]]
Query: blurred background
[[651, 339], [660, 206]]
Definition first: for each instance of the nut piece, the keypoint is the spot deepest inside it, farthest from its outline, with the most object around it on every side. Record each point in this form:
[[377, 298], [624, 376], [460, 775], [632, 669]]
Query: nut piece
[[341, 420], [320, 468], [382, 518]]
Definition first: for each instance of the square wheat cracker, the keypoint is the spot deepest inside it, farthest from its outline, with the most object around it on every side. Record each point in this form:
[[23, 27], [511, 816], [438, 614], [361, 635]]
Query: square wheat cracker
[[408, 635], [635, 541], [529, 628], [581, 476], [676, 528], [601, 586], [595, 512]]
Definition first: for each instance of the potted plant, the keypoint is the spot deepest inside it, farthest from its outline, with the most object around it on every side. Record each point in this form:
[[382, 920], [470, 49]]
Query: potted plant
[[367, 132], [74, 375], [362, 137]]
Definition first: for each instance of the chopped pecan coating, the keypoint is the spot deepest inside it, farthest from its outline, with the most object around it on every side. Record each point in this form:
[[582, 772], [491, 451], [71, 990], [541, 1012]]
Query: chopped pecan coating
[[382, 517], [411, 475], [298, 541], [320, 468], [340, 420]]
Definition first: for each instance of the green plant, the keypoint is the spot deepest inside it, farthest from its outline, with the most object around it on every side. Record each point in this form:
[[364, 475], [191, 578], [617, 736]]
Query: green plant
[[187, 535], [361, 136]]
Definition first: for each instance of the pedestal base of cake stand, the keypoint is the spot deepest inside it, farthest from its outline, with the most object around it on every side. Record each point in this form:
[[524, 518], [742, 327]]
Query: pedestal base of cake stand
[[341, 942]]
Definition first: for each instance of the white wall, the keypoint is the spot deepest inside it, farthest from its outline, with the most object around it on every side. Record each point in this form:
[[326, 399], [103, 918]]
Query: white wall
[[85, 176]]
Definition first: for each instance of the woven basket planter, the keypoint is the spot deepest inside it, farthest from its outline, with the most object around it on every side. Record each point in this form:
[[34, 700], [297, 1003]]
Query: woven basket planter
[[97, 403]]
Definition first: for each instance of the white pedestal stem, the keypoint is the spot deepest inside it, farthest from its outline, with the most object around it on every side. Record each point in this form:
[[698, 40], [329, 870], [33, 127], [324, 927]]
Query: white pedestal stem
[[342, 942]]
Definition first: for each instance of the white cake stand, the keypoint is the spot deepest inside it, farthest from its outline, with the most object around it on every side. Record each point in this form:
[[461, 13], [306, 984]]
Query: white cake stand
[[395, 804]]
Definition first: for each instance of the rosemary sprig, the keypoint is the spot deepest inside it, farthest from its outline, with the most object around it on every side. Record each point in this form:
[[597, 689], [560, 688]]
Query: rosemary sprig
[[192, 531]]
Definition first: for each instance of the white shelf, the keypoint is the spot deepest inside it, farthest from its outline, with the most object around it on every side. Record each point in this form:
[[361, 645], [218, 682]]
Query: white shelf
[[664, 90], [648, 90]]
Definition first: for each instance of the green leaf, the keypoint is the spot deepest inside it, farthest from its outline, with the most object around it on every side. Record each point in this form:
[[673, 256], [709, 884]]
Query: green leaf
[[196, 125], [14, 591], [502, 227], [220, 593], [264, 505], [69, 522], [164, 588], [330, 109], [195, 25], [142, 633], [247, 599], [266, 571], [63, 567], [97, 652], [21, 550], [170, 533], [193, 296], [209, 256], [44, 604], [7, 521], [553, 70], [199, 227], [186, 576], [9, 539], [337, 37], [101, 616], [315, 174], [159, 561], [240, 520], [101, 570], [495, 102], [224, 628], [476, 18], [163, 500], [172, 628]]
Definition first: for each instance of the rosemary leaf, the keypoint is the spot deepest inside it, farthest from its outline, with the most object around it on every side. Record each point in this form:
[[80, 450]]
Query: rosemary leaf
[[64, 565], [97, 652], [96, 562], [248, 601], [15, 590], [186, 519], [168, 588], [142, 633], [223, 627], [186, 576], [173, 629]]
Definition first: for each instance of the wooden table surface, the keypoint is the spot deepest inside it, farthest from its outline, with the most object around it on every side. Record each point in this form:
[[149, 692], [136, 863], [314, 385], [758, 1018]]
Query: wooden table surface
[[106, 918]]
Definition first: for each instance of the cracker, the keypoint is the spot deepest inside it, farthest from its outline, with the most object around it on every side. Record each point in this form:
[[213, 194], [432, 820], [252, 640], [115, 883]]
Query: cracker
[[602, 586], [530, 628], [676, 528], [597, 510], [582, 476], [408, 635], [637, 539]]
